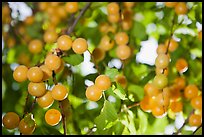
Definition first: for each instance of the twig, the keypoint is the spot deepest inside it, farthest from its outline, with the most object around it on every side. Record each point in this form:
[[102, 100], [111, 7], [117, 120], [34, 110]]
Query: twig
[[63, 117], [32, 105], [96, 65], [27, 98], [134, 105], [197, 129], [78, 17], [90, 130], [186, 121]]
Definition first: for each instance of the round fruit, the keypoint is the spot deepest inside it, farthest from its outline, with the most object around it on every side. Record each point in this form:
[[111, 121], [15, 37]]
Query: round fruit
[[195, 120], [200, 35], [59, 92], [35, 74], [50, 36], [160, 81], [173, 45], [164, 71], [180, 82], [98, 54], [93, 93], [121, 38], [46, 100], [29, 20], [162, 61], [176, 106], [106, 43], [72, 7], [158, 111], [61, 67], [145, 103], [181, 65], [36, 89], [121, 79], [123, 52], [151, 90], [11, 120], [64, 42], [196, 102], [103, 82], [25, 128], [129, 4], [181, 8], [191, 91], [114, 18], [170, 4], [52, 61], [113, 8], [53, 117], [35, 46], [162, 100], [161, 49], [47, 73], [79, 45], [20, 73]]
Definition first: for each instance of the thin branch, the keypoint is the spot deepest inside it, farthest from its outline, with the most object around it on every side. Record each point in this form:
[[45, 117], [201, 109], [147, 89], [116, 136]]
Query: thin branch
[[197, 129], [78, 17], [90, 131], [133, 105], [32, 105], [63, 117], [186, 121], [26, 102]]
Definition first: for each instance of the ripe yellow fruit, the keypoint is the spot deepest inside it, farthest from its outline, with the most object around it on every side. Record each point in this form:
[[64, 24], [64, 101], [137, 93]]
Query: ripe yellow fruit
[[103, 82], [123, 52], [79, 45], [11, 120], [52, 61], [59, 92], [46, 100], [36, 89], [93, 93], [113, 8], [71, 7], [35, 74], [20, 73], [35, 46], [53, 117], [64, 42]]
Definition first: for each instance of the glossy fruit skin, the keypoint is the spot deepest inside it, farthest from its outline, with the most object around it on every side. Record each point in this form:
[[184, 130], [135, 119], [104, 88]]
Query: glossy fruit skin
[[79, 45], [164, 71], [162, 61], [173, 45], [47, 73], [93, 93], [106, 43], [59, 92], [196, 102], [128, 4], [53, 117], [195, 120], [36, 89], [103, 82], [162, 100], [64, 42], [190, 91], [158, 111], [114, 18], [180, 83], [71, 7], [161, 49], [50, 36], [151, 90], [35, 74], [35, 46], [160, 81], [145, 103], [61, 66], [25, 129], [181, 8], [121, 38], [181, 65], [123, 52], [176, 106], [113, 8], [170, 4], [11, 120], [46, 100], [20, 73], [52, 61]]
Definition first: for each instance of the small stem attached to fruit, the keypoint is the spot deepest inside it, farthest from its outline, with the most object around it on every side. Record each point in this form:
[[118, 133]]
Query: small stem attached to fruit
[[63, 117]]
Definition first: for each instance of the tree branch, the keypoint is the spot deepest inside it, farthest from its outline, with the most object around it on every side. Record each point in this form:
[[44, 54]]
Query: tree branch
[[78, 17], [63, 117]]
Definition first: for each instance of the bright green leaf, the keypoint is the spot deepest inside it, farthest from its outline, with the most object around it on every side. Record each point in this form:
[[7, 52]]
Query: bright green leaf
[[74, 59]]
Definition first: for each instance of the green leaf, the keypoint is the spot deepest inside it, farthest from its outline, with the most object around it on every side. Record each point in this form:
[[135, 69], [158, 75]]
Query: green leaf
[[120, 92], [74, 59], [199, 131], [138, 30], [143, 121], [136, 90], [108, 114], [111, 72], [75, 101]]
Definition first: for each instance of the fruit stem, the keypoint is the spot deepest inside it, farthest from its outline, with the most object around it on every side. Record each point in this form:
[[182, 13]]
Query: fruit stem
[[63, 117], [78, 17]]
